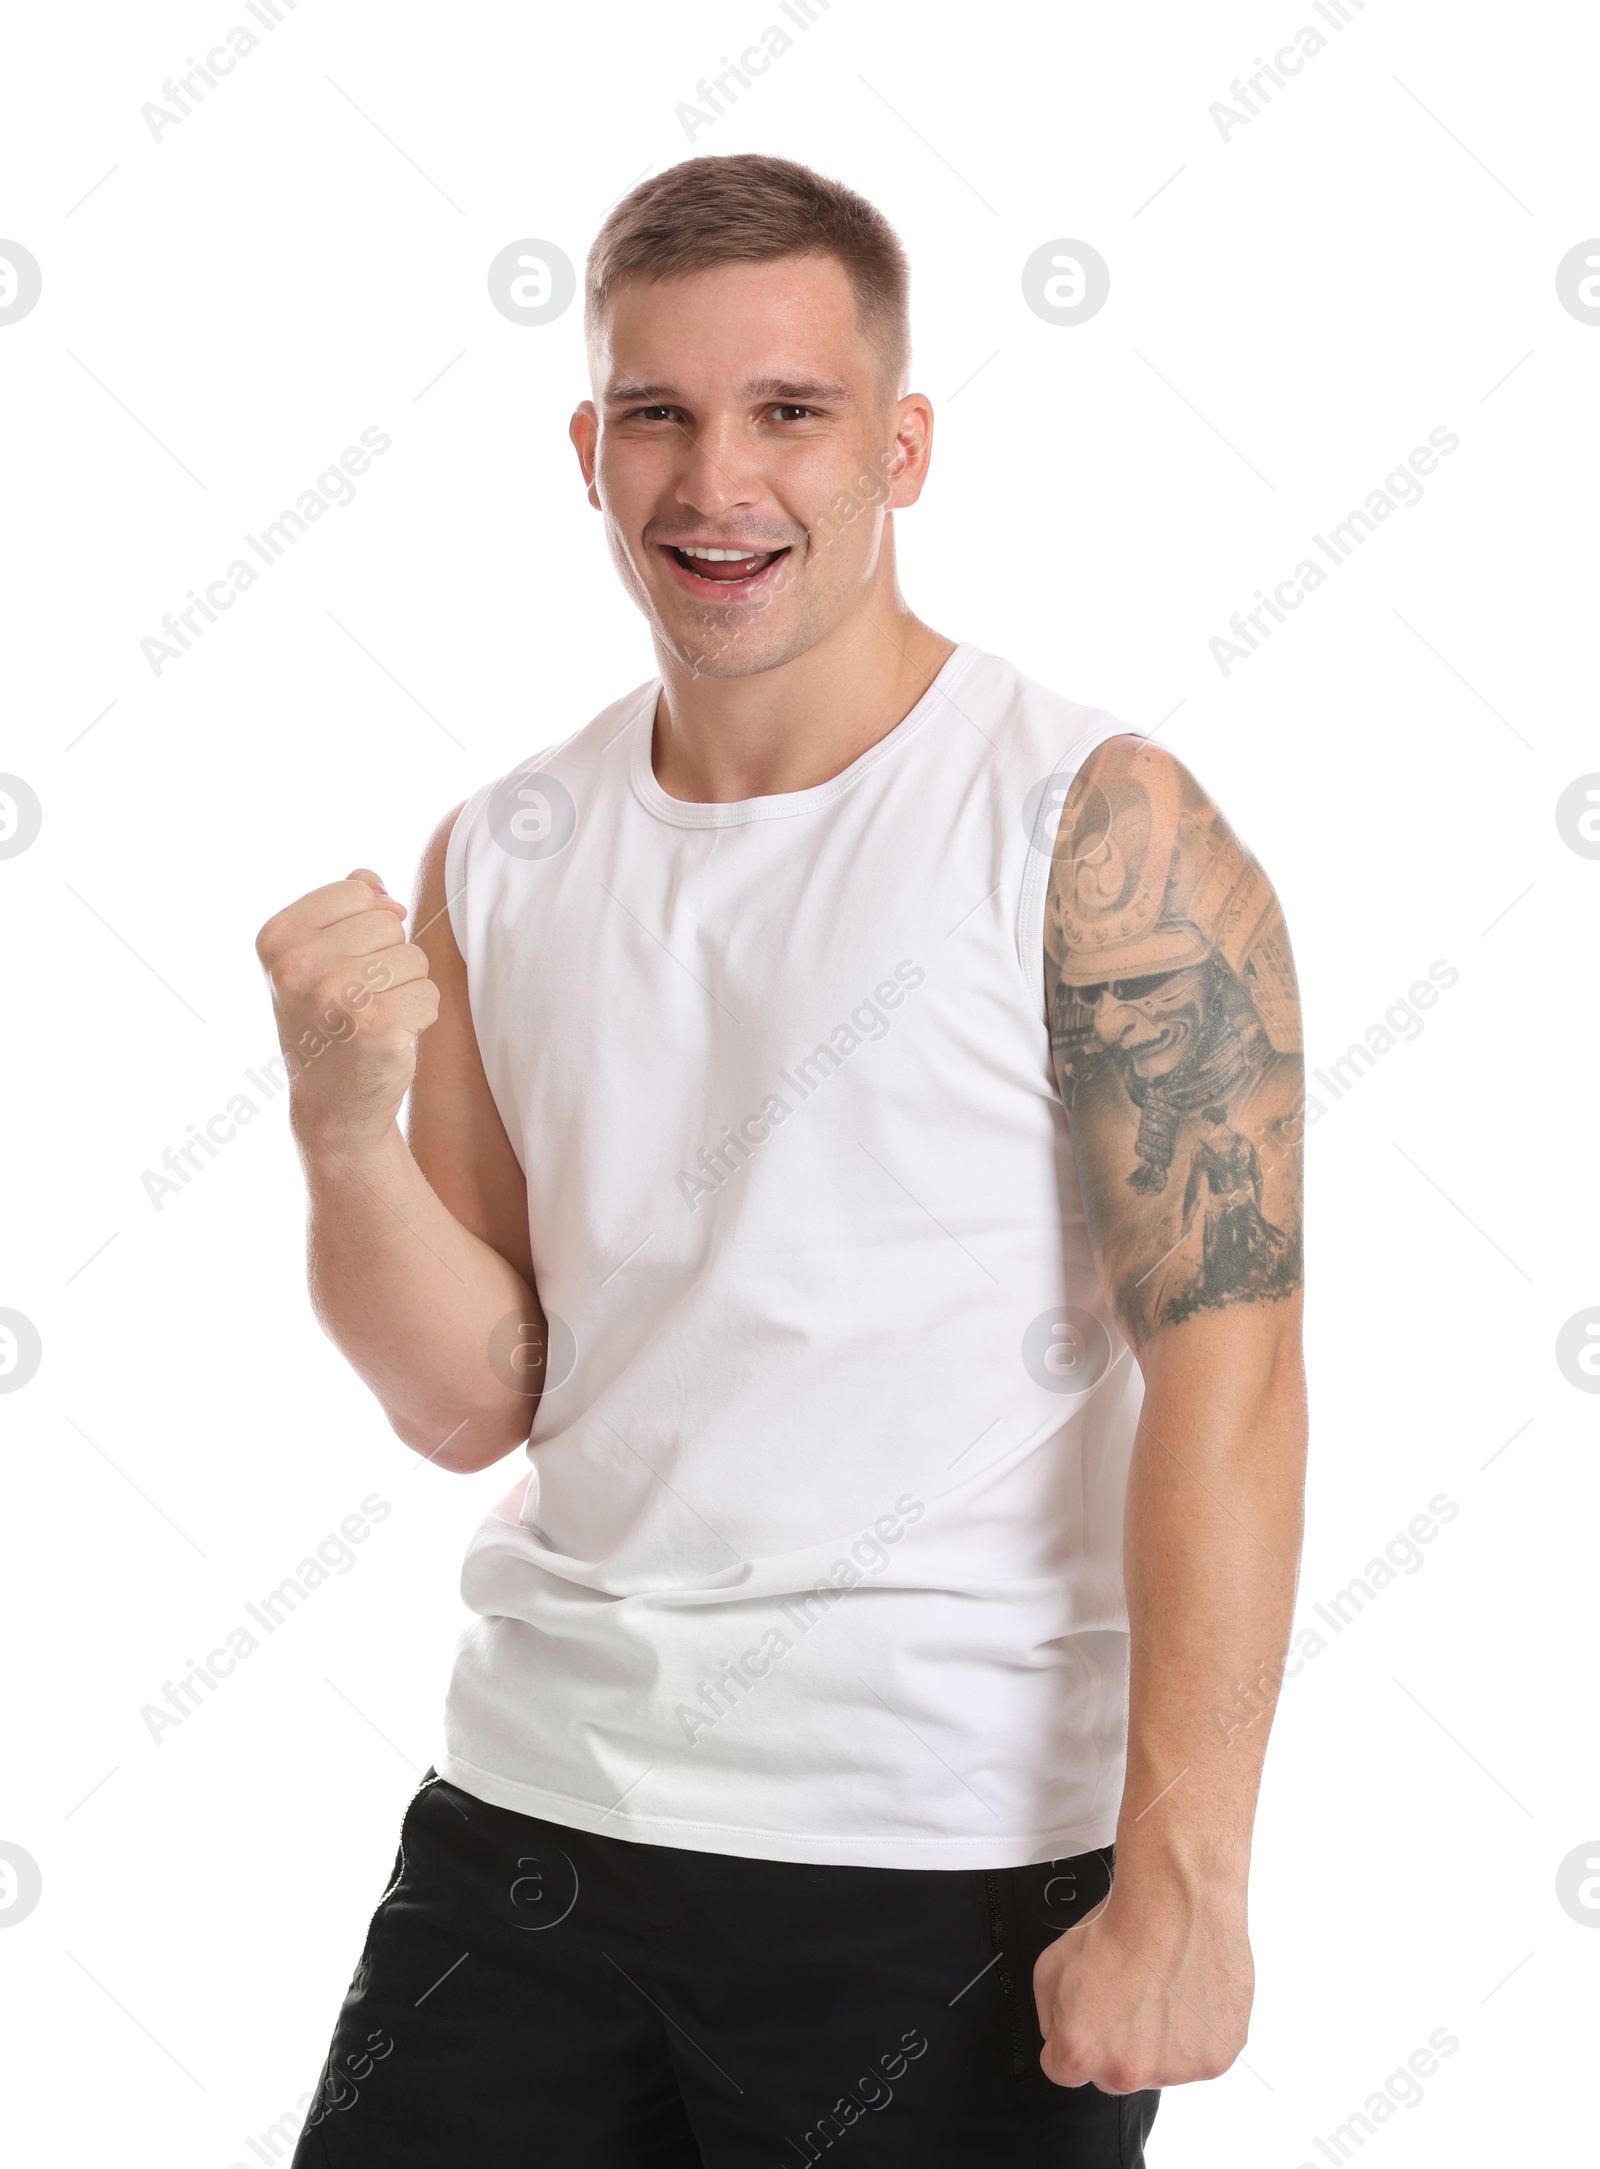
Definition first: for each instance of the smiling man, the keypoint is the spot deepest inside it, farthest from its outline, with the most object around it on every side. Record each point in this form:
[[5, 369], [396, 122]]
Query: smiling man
[[854, 1146]]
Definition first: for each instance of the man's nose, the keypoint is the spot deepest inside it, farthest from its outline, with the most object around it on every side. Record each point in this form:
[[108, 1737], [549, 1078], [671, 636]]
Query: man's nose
[[718, 470]]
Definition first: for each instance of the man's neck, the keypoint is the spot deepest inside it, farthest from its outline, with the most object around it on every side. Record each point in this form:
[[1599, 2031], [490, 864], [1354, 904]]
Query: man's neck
[[718, 740]]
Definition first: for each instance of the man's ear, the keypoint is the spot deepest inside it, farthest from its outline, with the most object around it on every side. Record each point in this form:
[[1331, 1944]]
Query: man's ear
[[913, 444], [584, 430]]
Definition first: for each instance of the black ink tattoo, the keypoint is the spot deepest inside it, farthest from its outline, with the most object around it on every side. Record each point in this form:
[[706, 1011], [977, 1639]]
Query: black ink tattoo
[[1175, 1029]]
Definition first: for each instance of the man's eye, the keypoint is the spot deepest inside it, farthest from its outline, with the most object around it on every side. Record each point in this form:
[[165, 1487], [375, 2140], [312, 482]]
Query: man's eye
[[787, 413]]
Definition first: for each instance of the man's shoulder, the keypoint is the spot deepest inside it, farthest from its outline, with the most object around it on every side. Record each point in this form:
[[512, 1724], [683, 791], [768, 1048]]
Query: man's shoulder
[[556, 774], [1033, 717], [604, 735]]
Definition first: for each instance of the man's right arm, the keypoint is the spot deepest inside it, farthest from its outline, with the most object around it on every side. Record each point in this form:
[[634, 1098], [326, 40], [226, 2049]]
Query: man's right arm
[[418, 1252]]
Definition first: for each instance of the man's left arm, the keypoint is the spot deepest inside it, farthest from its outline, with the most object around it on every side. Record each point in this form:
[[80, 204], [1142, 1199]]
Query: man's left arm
[[1176, 1036]]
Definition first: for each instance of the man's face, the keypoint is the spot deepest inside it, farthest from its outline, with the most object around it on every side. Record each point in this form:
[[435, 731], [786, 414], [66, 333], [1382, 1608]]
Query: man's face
[[743, 409]]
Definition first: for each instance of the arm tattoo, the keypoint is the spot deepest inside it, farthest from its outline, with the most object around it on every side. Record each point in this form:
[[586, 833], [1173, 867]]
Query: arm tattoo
[[1175, 1032]]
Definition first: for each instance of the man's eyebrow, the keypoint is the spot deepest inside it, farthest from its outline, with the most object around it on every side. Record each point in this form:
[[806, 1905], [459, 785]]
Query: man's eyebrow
[[794, 390], [797, 389]]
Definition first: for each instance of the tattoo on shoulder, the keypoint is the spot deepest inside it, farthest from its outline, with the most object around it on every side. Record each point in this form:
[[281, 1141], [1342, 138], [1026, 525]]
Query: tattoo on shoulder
[[1175, 1033]]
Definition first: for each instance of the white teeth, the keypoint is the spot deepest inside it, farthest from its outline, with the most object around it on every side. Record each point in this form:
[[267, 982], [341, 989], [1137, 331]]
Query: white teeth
[[720, 557]]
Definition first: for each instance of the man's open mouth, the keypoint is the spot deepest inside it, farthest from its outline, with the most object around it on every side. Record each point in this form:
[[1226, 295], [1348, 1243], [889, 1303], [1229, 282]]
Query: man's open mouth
[[730, 572]]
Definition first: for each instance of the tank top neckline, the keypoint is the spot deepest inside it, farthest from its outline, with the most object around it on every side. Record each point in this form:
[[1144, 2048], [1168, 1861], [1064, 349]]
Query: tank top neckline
[[779, 805]]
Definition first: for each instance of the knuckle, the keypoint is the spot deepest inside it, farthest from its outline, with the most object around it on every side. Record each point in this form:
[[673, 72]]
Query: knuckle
[[1061, 2064], [399, 964], [296, 969], [275, 939]]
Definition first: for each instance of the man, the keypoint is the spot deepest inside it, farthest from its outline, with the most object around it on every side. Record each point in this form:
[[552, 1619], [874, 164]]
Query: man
[[809, 1060]]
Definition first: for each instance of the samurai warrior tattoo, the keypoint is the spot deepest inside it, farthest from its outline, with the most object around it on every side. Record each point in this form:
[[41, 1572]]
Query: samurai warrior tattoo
[[1175, 1031]]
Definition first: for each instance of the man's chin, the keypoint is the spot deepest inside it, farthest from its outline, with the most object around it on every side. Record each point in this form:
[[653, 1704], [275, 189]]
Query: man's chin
[[740, 659], [730, 643]]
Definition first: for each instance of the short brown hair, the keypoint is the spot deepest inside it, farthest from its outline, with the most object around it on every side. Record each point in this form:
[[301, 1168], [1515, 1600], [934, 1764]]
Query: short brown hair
[[748, 208]]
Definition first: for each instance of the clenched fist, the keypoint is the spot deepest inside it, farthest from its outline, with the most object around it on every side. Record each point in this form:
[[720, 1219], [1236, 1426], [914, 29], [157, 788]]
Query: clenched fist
[[350, 994], [1146, 1992]]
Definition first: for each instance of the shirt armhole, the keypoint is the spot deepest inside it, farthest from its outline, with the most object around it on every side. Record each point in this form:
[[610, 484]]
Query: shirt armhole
[[455, 865]]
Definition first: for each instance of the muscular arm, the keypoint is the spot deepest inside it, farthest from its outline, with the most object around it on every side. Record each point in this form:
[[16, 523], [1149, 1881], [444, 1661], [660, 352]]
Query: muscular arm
[[1175, 1032], [418, 1250]]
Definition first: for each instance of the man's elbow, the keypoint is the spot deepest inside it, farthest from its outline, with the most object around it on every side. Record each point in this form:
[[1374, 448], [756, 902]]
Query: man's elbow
[[476, 1442]]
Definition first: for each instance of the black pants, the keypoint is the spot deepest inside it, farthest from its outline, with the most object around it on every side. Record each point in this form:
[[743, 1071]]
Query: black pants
[[532, 1995]]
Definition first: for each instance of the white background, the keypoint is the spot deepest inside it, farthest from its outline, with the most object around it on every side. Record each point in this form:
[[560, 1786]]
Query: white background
[[1371, 256]]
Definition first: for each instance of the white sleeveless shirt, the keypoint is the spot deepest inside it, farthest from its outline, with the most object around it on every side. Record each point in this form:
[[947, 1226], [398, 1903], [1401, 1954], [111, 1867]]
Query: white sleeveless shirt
[[817, 1552]]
